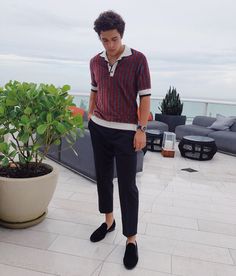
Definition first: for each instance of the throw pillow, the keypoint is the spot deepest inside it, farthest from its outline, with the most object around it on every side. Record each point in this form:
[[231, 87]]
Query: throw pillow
[[222, 122]]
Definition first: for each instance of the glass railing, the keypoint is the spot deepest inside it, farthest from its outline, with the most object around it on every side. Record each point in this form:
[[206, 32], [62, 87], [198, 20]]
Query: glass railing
[[191, 107]]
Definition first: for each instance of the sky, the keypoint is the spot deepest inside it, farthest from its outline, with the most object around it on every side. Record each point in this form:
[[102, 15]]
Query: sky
[[190, 45]]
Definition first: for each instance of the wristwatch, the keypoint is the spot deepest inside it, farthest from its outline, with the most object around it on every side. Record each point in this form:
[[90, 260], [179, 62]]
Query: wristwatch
[[142, 128]]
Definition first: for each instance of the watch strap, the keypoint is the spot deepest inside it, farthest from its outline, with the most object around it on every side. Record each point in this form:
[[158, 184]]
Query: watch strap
[[142, 128]]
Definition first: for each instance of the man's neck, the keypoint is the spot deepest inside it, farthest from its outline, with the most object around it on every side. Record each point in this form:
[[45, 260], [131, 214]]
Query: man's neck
[[113, 59]]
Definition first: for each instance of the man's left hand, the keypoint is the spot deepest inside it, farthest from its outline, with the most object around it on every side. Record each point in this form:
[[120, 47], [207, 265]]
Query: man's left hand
[[139, 140]]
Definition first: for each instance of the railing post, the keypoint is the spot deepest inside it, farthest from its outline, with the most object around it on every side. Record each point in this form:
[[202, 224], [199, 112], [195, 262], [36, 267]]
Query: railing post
[[205, 108]]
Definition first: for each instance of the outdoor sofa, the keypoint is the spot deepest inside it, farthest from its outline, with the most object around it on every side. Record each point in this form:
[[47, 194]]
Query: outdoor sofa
[[203, 126], [80, 159]]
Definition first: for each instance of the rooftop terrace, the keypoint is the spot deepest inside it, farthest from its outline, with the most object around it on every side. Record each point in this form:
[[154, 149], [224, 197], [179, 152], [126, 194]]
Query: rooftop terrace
[[187, 225]]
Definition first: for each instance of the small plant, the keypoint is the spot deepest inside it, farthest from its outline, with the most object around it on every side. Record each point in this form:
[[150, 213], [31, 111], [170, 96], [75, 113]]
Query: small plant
[[171, 104], [34, 117]]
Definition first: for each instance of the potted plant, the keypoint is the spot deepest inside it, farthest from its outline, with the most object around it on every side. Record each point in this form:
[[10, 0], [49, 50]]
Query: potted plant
[[171, 109], [34, 117]]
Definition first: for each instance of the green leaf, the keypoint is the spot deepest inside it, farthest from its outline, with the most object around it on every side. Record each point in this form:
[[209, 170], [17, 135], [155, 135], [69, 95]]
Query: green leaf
[[24, 120], [65, 88], [11, 102], [49, 117], [42, 128], [5, 162], [29, 159], [28, 111], [24, 138], [4, 148], [21, 159], [2, 110], [57, 142], [36, 147], [2, 131], [61, 128], [13, 154]]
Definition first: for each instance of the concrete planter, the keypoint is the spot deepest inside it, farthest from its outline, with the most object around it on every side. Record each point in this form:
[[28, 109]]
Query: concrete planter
[[24, 201], [171, 120]]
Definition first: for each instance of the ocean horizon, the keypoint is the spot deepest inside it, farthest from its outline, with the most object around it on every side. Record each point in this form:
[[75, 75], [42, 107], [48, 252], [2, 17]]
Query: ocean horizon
[[191, 107]]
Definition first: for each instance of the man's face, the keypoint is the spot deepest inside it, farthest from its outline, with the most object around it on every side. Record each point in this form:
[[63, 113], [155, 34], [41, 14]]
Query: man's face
[[111, 41]]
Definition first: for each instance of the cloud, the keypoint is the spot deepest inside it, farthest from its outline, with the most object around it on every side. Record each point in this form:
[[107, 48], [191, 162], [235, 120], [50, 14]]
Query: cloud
[[190, 44], [29, 59]]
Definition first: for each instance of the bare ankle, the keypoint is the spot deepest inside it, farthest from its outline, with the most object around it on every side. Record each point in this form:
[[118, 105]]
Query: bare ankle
[[109, 219], [131, 239]]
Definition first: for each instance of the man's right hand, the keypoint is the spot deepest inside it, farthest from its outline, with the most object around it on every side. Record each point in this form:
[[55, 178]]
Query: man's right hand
[[89, 116]]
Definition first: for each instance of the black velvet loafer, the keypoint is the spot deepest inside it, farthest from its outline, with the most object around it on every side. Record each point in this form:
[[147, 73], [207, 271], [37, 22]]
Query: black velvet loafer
[[101, 232], [131, 255]]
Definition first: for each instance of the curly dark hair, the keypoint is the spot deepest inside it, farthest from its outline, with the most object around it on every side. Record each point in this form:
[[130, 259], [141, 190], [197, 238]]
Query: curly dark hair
[[109, 20]]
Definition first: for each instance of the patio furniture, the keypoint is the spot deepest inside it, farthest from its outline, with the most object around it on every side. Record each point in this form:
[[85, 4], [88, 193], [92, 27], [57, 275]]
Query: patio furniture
[[224, 139], [168, 144], [80, 159], [157, 125], [154, 139], [197, 147]]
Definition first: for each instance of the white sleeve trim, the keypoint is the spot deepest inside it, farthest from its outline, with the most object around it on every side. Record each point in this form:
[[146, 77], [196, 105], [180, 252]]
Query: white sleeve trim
[[94, 88], [144, 92]]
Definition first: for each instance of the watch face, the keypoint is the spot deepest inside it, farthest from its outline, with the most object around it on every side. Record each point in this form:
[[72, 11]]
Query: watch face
[[142, 128]]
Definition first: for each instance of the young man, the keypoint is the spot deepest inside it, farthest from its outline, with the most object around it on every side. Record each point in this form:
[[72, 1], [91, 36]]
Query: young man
[[118, 75]]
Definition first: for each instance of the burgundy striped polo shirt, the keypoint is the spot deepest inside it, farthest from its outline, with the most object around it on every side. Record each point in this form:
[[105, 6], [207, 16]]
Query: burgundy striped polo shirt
[[117, 88]]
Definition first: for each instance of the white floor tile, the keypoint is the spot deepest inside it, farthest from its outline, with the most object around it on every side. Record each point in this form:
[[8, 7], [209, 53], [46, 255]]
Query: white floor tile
[[181, 234], [76, 216], [147, 259], [65, 228], [46, 261], [191, 267], [203, 252], [233, 254], [161, 245], [6, 270], [188, 218], [216, 227], [82, 248], [114, 269], [27, 237], [170, 220]]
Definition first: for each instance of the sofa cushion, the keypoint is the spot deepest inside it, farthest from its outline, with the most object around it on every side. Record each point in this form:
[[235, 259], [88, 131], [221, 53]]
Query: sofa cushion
[[233, 127], [203, 121], [222, 122], [225, 140], [157, 125], [81, 159], [184, 130]]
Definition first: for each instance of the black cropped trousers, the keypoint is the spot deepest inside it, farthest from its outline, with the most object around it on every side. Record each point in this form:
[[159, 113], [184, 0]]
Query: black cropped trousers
[[109, 143]]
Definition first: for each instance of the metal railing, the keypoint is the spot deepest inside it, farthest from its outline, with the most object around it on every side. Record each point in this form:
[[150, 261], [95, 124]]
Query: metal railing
[[191, 107]]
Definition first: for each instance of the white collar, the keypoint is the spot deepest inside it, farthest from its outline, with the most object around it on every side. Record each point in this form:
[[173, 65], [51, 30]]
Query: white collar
[[127, 52]]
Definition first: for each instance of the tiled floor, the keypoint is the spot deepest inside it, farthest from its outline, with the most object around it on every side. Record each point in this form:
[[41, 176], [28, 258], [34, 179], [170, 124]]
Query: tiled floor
[[187, 225]]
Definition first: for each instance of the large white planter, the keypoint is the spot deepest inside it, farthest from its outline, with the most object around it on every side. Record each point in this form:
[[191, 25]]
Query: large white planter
[[24, 201]]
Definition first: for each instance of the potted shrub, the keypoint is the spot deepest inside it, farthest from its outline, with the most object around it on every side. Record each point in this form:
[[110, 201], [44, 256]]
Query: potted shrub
[[171, 109], [34, 117]]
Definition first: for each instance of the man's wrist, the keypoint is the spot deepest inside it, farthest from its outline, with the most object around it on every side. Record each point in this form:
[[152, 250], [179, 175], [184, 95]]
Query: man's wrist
[[141, 128]]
